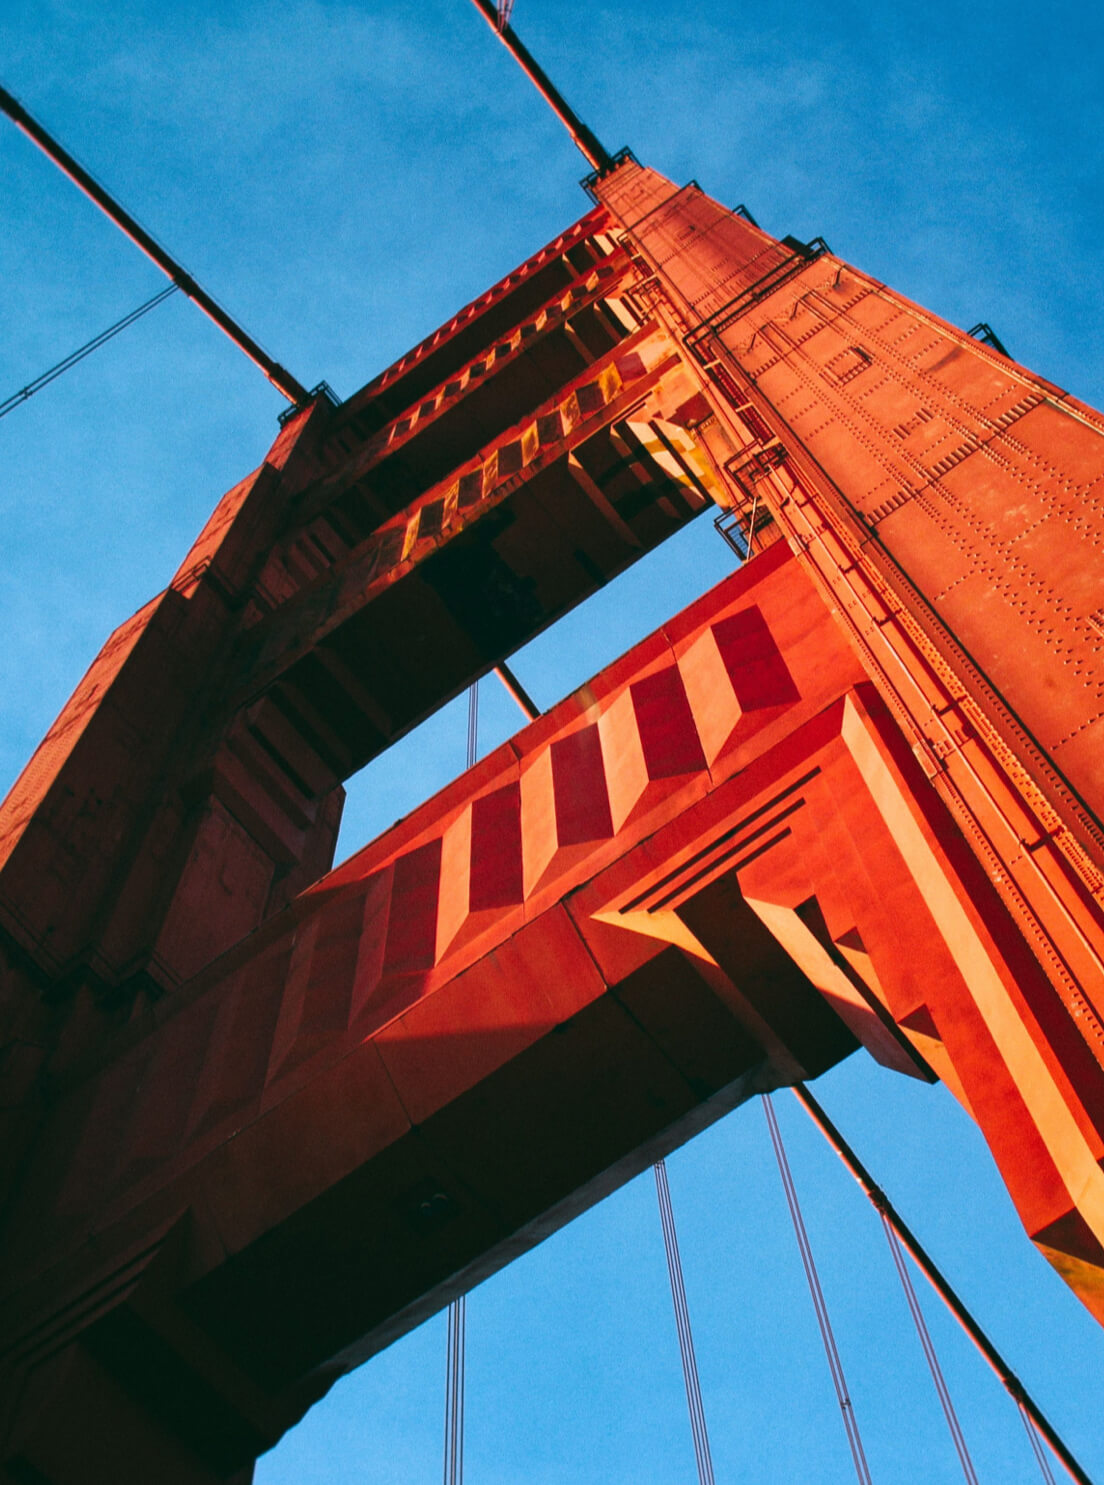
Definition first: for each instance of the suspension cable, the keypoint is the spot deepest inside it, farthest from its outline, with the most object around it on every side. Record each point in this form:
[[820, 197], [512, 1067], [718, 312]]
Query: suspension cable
[[517, 691], [473, 723], [12, 402], [928, 1346], [457, 1311], [280, 378], [1036, 1446], [702, 1455], [586, 141], [1028, 1407], [835, 1365], [454, 1393]]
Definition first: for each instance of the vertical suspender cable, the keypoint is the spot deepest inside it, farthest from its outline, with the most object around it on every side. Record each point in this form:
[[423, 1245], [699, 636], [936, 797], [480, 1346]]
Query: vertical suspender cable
[[957, 1437], [457, 1312], [454, 1394], [835, 1366], [1030, 1410], [682, 1323], [1037, 1447], [473, 723]]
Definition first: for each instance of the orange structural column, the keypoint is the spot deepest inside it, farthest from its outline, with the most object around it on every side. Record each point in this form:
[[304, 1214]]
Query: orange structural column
[[716, 869], [947, 503], [260, 1117]]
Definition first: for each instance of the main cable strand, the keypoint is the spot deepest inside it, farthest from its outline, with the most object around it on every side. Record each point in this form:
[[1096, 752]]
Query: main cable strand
[[586, 141], [702, 1456], [18, 398], [835, 1365]]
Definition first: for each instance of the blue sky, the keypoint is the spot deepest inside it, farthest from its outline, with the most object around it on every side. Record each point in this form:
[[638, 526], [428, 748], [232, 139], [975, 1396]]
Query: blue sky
[[343, 177]]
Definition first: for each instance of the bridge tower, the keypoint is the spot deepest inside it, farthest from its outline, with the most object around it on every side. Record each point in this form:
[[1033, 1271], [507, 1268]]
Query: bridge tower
[[261, 1116]]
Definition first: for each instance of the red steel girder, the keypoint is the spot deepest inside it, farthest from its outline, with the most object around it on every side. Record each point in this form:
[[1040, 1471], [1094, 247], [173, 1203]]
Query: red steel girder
[[715, 869]]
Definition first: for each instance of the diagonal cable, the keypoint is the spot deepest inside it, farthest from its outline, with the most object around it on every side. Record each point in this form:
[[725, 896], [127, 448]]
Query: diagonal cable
[[55, 151], [10, 403]]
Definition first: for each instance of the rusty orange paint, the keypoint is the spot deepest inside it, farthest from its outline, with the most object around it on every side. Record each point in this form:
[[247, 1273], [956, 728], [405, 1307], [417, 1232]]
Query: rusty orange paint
[[262, 1116]]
